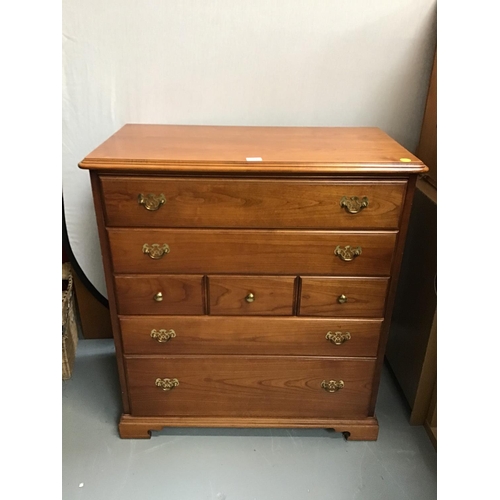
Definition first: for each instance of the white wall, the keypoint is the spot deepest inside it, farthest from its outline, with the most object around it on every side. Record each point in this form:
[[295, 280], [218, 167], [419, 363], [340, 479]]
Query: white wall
[[234, 62]]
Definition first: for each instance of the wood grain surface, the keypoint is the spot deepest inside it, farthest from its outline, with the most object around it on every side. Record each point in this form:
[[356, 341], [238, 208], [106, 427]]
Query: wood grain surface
[[205, 251], [251, 209], [228, 203], [365, 297], [249, 386], [108, 275], [272, 295], [181, 294], [363, 429], [226, 149], [249, 335]]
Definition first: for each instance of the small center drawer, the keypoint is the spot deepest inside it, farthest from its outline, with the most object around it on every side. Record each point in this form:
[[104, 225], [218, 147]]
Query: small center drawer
[[343, 297], [159, 294], [251, 295]]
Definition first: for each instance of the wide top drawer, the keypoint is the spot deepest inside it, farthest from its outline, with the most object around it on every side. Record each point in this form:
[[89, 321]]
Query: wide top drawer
[[251, 203]]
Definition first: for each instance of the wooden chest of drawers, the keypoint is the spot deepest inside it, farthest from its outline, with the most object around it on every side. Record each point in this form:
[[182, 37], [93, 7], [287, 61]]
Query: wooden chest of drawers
[[251, 272]]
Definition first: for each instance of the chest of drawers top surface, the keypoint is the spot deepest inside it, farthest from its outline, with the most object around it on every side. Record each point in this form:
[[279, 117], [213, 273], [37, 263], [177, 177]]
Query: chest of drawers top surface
[[258, 150], [251, 271]]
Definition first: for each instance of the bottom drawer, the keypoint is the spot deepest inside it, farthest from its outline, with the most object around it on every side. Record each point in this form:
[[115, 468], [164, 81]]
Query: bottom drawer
[[245, 386]]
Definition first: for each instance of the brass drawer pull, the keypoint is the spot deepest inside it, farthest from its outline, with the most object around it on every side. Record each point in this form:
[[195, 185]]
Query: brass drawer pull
[[155, 251], [353, 205], [158, 297], [338, 338], [151, 202], [332, 385], [163, 335], [250, 297], [342, 299], [347, 254], [166, 384]]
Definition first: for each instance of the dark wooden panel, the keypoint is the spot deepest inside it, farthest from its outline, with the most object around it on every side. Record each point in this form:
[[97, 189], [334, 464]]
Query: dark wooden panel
[[249, 335], [411, 347], [252, 252], [95, 318], [427, 147], [250, 386]]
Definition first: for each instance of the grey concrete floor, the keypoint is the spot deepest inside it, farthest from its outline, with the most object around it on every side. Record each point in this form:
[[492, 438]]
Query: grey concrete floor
[[232, 464]]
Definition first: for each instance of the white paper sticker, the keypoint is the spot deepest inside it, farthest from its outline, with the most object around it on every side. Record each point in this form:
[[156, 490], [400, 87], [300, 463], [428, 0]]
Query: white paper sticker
[[254, 158]]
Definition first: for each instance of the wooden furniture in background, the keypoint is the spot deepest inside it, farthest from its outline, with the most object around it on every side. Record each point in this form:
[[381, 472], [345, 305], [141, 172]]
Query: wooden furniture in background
[[411, 350], [427, 148], [95, 319], [251, 272], [412, 345]]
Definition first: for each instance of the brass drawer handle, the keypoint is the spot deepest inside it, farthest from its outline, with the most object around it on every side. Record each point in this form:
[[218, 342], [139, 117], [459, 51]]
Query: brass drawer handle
[[250, 298], [167, 384], [342, 299], [338, 338], [155, 251], [353, 205], [332, 385], [151, 202], [162, 335], [158, 297], [348, 253]]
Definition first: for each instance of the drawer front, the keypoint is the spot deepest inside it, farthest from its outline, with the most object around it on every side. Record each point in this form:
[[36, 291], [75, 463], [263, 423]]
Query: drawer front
[[224, 203], [260, 252], [179, 294], [251, 386], [251, 295], [344, 297], [248, 335]]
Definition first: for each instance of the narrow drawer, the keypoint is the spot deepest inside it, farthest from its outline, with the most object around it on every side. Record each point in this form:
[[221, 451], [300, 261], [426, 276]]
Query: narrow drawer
[[230, 203], [206, 251], [344, 297], [179, 294], [251, 295], [255, 386], [249, 335]]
